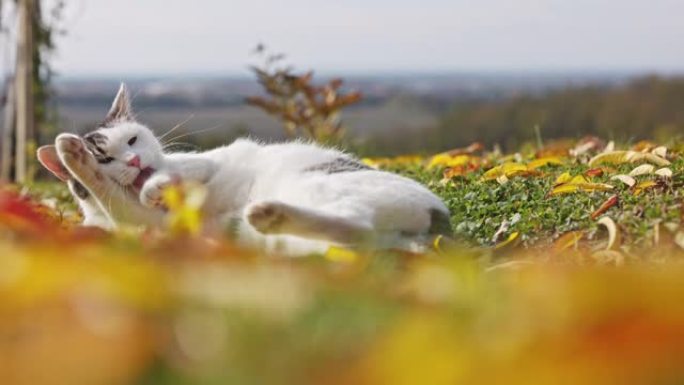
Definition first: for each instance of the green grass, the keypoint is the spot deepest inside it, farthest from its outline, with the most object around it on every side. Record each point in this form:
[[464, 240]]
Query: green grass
[[478, 208]]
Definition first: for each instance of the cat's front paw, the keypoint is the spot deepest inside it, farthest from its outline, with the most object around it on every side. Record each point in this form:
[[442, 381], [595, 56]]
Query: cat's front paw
[[73, 153], [267, 217], [151, 193]]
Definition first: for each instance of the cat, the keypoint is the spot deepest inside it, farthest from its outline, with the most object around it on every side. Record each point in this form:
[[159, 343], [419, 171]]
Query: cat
[[275, 193]]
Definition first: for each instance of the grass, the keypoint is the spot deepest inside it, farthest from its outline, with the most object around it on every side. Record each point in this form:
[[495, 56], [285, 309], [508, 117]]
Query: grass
[[478, 207]]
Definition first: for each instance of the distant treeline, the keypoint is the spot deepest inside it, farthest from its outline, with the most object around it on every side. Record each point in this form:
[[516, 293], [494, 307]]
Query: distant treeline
[[651, 107]]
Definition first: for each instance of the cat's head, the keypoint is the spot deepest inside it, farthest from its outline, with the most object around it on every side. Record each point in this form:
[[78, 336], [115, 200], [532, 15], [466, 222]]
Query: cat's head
[[126, 150]]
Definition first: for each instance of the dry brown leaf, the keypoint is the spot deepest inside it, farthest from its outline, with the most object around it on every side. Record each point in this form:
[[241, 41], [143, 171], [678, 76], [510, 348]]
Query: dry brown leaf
[[610, 202]]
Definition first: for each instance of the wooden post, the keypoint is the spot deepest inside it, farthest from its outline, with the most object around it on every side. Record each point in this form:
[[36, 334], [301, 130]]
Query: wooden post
[[8, 131], [24, 89]]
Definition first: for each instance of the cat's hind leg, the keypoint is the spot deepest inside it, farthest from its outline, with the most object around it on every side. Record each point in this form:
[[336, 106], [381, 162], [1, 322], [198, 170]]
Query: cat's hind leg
[[272, 217]]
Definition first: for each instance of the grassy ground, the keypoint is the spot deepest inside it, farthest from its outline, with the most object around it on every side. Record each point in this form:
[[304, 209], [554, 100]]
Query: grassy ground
[[549, 297], [527, 206]]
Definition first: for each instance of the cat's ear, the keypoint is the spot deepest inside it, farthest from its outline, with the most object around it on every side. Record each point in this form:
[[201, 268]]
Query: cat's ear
[[121, 107], [47, 155]]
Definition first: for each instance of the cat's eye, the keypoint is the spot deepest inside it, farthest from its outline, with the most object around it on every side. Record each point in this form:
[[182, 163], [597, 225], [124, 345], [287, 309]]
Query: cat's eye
[[106, 160], [132, 140]]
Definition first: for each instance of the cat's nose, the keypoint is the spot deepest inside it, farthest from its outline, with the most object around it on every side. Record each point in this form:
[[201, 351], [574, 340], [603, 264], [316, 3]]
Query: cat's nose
[[134, 161]]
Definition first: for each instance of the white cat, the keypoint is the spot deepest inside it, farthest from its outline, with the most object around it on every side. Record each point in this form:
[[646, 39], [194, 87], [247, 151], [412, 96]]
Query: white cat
[[278, 194]]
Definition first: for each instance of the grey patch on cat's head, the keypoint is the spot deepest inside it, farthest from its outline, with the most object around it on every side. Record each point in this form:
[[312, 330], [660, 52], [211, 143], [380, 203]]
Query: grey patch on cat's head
[[121, 108], [440, 223], [339, 165], [95, 142], [78, 189]]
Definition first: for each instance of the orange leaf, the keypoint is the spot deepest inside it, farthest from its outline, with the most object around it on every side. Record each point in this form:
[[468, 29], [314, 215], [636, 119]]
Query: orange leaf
[[610, 202], [594, 172]]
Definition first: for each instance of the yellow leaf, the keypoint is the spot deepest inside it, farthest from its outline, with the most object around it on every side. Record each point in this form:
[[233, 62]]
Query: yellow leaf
[[509, 241], [579, 179], [619, 157], [448, 161], [641, 187], [563, 178], [339, 254], [373, 162], [507, 169], [585, 187], [184, 203], [535, 164]]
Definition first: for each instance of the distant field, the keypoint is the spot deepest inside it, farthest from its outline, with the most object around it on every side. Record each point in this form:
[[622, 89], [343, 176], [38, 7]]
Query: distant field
[[396, 116]]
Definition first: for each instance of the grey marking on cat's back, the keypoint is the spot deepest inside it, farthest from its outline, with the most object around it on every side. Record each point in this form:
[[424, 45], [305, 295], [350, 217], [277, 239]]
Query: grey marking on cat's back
[[78, 189], [440, 223], [339, 165]]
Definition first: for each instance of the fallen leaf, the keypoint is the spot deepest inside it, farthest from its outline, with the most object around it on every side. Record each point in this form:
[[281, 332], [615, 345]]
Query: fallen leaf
[[579, 179], [613, 233], [664, 172], [453, 172], [610, 202], [184, 202], [643, 186], [577, 187], [472, 148], [339, 254], [510, 241], [535, 164], [448, 160], [563, 178], [589, 143], [644, 169], [594, 172], [609, 147], [502, 179], [643, 145], [626, 179], [660, 151], [507, 169], [619, 157]]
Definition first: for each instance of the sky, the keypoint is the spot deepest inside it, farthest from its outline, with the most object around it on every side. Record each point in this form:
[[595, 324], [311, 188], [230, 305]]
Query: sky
[[168, 37]]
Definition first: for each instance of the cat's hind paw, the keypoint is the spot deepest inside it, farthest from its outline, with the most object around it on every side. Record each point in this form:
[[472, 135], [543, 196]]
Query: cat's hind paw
[[267, 217]]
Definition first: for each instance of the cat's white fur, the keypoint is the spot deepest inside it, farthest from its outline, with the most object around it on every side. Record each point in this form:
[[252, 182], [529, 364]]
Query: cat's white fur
[[280, 194]]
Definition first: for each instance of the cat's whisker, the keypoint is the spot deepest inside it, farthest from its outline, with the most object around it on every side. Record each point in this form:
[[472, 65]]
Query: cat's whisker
[[195, 132], [177, 126]]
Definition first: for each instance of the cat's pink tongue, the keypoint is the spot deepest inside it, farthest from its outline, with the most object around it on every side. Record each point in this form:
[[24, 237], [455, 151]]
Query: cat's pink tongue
[[142, 177]]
